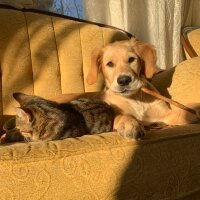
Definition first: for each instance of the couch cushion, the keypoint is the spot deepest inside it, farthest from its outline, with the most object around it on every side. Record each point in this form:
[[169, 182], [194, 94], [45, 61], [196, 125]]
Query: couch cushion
[[182, 83]]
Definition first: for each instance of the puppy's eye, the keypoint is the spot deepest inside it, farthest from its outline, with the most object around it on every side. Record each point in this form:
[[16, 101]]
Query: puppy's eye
[[110, 64], [131, 59]]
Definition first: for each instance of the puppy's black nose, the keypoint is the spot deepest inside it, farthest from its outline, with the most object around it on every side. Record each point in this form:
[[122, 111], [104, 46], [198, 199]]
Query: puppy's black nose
[[124, 80]]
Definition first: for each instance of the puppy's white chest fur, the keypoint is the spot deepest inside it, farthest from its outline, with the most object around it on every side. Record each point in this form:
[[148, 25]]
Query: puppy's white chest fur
[[143, 107]]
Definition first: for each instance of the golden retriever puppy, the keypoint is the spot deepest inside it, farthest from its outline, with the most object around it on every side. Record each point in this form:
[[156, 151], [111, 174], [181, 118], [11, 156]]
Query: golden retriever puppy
[[126, 66]]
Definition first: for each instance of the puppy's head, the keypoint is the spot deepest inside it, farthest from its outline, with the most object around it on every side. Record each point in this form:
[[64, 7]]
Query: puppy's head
[[122, 63]]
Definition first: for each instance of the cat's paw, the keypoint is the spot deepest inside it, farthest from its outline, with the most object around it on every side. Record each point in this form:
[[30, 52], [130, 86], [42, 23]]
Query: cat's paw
[[9, 124], [131, 129], [198, 113], [3, 139]]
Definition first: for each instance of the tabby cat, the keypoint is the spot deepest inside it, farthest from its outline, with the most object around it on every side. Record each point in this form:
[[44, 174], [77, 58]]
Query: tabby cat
[[40, 119]]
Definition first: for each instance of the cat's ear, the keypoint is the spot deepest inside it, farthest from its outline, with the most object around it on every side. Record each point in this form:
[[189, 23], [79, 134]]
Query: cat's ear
[[25, 116], [21, 97]]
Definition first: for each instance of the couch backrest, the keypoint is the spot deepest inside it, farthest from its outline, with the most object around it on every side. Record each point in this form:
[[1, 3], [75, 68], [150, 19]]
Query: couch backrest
[[47, 54]]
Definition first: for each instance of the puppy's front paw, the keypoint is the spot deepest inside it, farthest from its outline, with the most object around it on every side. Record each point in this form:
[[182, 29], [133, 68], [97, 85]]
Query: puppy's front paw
[[131, 129]]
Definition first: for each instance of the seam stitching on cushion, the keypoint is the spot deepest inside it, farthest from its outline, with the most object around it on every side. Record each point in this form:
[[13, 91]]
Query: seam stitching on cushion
[[81, 55], [59, 70], [29, 44]]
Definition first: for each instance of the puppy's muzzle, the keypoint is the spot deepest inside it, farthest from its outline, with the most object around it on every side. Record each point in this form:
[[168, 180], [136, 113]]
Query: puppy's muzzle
[[124, 80]]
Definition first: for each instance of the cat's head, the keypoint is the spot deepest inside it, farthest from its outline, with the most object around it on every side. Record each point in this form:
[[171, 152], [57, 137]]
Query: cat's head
[[31, 115], [24, 115]]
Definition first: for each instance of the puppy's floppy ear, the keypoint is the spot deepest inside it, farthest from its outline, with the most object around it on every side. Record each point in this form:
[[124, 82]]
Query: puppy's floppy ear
[[95, 67], [147, 53]]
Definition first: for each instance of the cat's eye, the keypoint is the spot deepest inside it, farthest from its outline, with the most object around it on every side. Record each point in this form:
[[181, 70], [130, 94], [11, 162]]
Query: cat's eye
[[131, 59], [110, 64]]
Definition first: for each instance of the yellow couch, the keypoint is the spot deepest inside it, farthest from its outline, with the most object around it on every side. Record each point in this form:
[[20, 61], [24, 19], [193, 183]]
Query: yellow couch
[[47, 55]]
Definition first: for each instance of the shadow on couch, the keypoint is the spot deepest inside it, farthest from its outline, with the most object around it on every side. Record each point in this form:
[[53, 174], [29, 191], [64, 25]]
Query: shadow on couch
[[165, 165]]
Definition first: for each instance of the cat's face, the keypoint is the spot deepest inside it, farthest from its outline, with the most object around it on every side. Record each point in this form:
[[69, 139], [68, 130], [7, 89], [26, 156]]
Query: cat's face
[[25, 117], [24, 124]]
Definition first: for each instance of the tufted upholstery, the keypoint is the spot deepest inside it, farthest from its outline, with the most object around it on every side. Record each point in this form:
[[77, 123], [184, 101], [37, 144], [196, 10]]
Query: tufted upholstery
[[47, 55]]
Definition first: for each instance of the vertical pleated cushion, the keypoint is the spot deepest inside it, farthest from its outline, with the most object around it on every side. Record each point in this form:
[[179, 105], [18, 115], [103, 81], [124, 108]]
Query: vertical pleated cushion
[[47, 54]]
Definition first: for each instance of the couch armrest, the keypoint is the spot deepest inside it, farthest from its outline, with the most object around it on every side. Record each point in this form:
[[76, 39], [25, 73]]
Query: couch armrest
[[190, 39], [182, 82], [164, 165]]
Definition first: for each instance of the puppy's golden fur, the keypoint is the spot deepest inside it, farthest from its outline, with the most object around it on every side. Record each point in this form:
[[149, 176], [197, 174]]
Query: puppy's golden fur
[[126, 66]]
